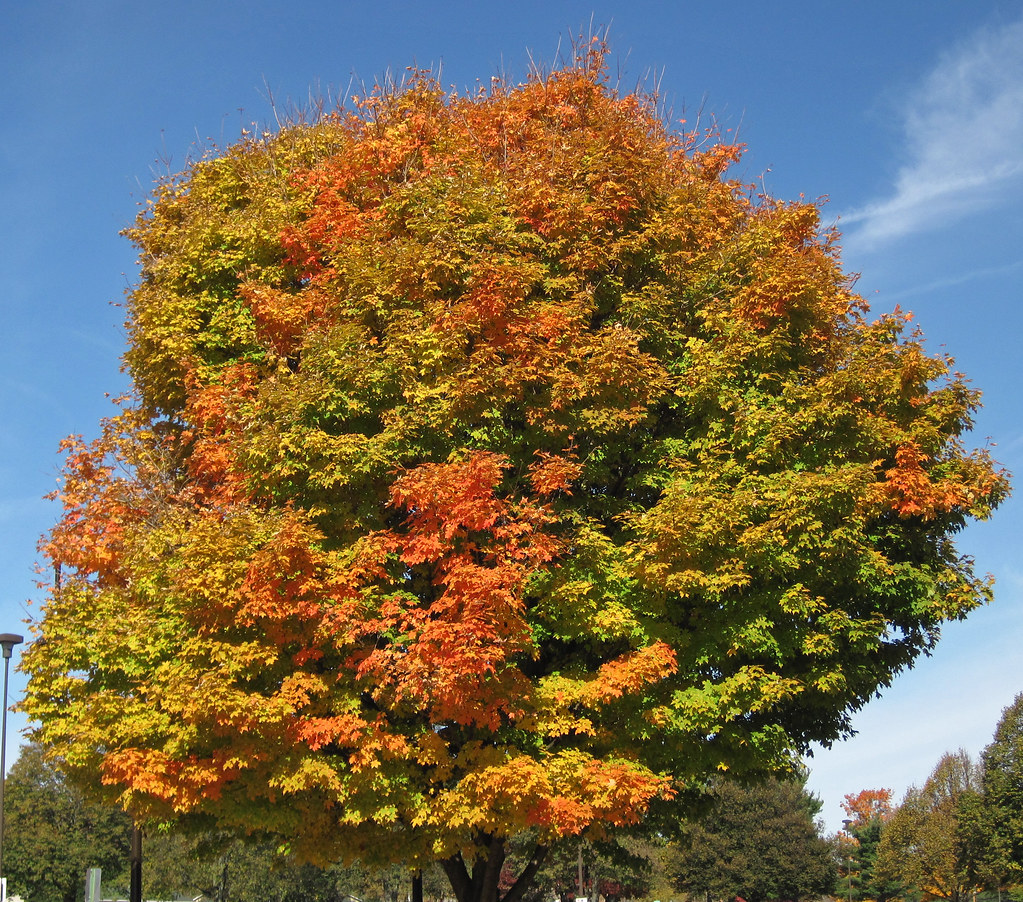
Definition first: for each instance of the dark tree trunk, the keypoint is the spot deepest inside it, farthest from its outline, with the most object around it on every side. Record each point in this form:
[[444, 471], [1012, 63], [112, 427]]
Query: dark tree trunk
[[482, 883], [135, 864]]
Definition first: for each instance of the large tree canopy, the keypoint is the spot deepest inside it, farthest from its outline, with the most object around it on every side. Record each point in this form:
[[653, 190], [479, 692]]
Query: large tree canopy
[[495, 463]]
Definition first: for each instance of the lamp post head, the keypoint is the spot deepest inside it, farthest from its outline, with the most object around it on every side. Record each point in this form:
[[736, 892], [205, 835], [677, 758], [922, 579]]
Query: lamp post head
[[8, 641]]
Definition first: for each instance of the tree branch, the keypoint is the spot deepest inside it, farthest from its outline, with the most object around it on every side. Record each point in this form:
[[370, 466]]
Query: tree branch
[[458, 877], [526, 877]]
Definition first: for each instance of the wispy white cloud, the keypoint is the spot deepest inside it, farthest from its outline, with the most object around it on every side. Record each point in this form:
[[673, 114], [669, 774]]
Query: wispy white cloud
[[963, 142]]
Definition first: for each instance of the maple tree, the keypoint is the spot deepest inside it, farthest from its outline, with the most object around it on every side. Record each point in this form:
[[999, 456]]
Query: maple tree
[[867, 806], [868, 811], [496, 465]]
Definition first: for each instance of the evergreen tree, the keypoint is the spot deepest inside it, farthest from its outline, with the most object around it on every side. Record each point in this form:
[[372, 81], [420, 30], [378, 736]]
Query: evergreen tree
[[1003, 794], [759, 842]]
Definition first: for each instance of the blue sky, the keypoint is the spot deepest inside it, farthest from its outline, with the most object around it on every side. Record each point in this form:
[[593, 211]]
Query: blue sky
[[907, 116]]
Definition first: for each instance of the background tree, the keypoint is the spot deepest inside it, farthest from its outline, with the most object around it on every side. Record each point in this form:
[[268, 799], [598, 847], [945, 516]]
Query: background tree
[[934, 840], [224, 869], [53, 835], [758, 842], [621, 868], [495, 467], [1003, 795], [868, 812]]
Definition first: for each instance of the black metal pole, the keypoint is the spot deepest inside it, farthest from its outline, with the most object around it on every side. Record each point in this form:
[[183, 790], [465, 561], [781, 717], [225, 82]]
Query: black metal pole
[[8, 641], [847, 824], [3, 762]]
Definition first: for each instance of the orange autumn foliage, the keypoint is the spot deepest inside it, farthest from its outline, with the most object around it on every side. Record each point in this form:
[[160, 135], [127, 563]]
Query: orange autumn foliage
[[868, 805]]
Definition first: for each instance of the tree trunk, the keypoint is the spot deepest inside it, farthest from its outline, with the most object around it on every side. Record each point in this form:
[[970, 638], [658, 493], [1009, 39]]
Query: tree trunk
[[135, 864], [482, 884]]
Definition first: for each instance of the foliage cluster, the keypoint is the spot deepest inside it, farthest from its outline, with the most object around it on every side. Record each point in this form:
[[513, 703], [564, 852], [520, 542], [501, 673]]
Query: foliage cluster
[[496, 466]]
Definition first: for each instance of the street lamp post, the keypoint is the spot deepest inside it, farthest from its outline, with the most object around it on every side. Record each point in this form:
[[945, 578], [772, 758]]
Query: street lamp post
[[847, 823], [7, 641]]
